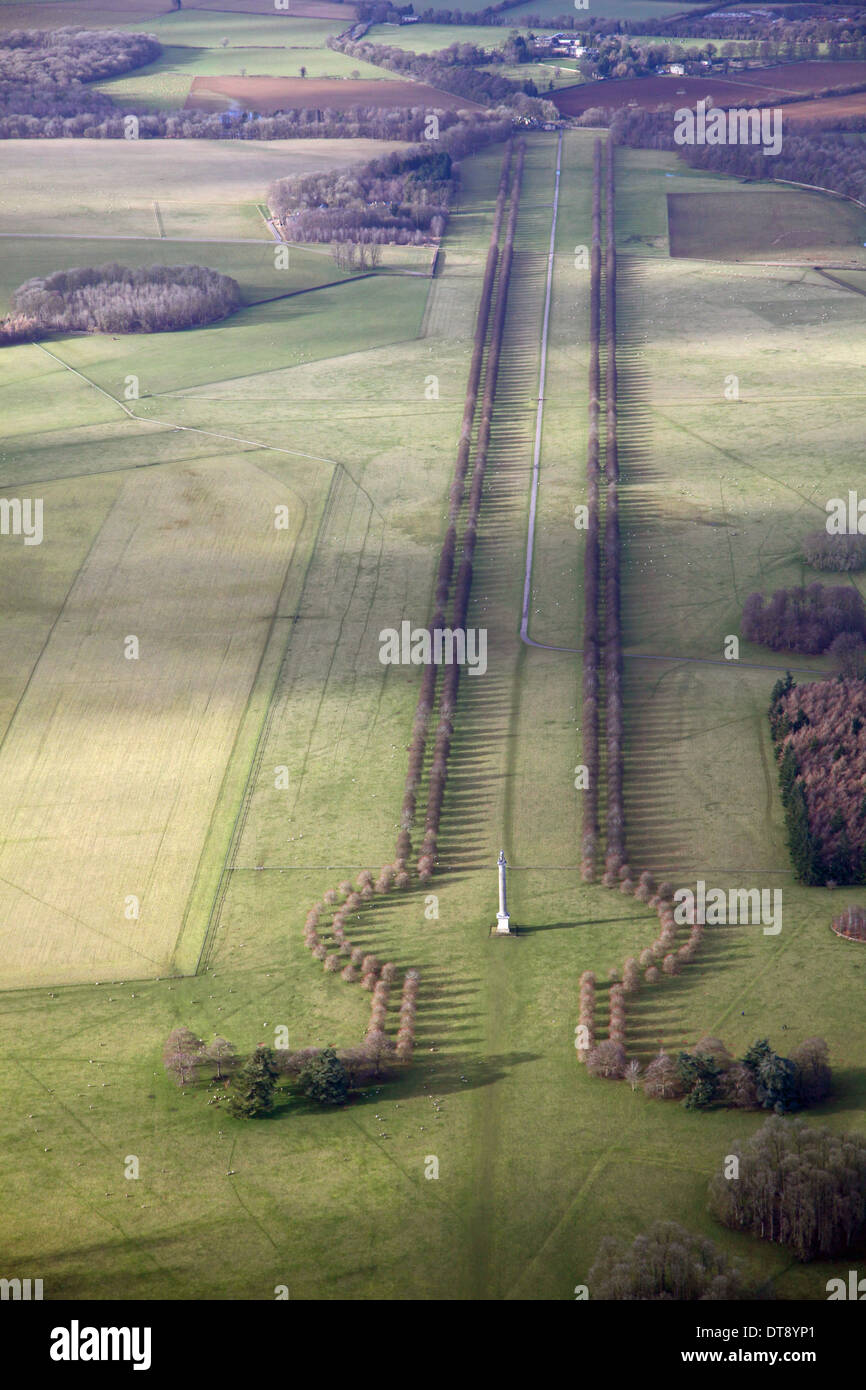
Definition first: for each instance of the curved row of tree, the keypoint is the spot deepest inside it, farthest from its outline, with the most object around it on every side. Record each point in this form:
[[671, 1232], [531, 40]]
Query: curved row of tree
[[355, 965]]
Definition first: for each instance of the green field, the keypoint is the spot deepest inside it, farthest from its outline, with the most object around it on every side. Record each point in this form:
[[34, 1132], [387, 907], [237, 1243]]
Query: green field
[[562, 74], [252, 265], [757, 225], [165, 84], [429, 38], [322, 399], [602, 9]]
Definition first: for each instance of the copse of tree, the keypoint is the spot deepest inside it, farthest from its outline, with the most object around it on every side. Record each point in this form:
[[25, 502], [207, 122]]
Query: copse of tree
[[804, 619], [668, 1263], [115, 299], [401, 197], [843, 553], [819, 733], [252, 1090], [73, 54], [708, 1075], [798, 1185]]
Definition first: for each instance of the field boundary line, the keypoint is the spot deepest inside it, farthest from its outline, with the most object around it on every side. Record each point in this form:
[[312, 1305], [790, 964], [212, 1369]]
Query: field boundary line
[[136, 236], [212, 434], [221, 859], [240, 819]]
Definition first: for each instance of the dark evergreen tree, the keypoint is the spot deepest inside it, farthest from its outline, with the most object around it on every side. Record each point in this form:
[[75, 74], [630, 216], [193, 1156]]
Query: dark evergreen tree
[[324, 1079], [252, 1090], [775, 1077], [699, 1073]]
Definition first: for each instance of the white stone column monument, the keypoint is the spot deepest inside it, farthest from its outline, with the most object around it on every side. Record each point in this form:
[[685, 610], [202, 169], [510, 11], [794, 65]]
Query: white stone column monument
[[503, 921]]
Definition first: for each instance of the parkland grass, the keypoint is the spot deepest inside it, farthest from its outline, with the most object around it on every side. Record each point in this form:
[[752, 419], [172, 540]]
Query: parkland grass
[[716, 495]]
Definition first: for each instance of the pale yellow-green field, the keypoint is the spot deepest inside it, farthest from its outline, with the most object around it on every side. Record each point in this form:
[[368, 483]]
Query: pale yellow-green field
[[111, 766], [205, 188]]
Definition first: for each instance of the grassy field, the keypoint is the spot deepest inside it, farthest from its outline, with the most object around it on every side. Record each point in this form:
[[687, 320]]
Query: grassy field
[[716, 497], [429, 38], [550, 10], [165, 84], [269, 94], [757, 225], [189, 561], [252, 265], [207, 189], [562, 74]]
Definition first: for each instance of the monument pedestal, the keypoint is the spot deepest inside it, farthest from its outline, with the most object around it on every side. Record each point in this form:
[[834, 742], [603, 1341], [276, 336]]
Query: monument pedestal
[[503, 920]]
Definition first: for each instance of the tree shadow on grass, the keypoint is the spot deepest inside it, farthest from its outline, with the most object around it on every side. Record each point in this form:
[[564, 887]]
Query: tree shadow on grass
[[426, 1075], [579, 922]]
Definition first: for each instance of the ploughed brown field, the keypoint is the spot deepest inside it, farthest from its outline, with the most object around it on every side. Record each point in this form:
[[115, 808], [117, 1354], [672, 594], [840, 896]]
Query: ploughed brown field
[[737, 89], [827, 108], [267, 94], [104, 14]]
